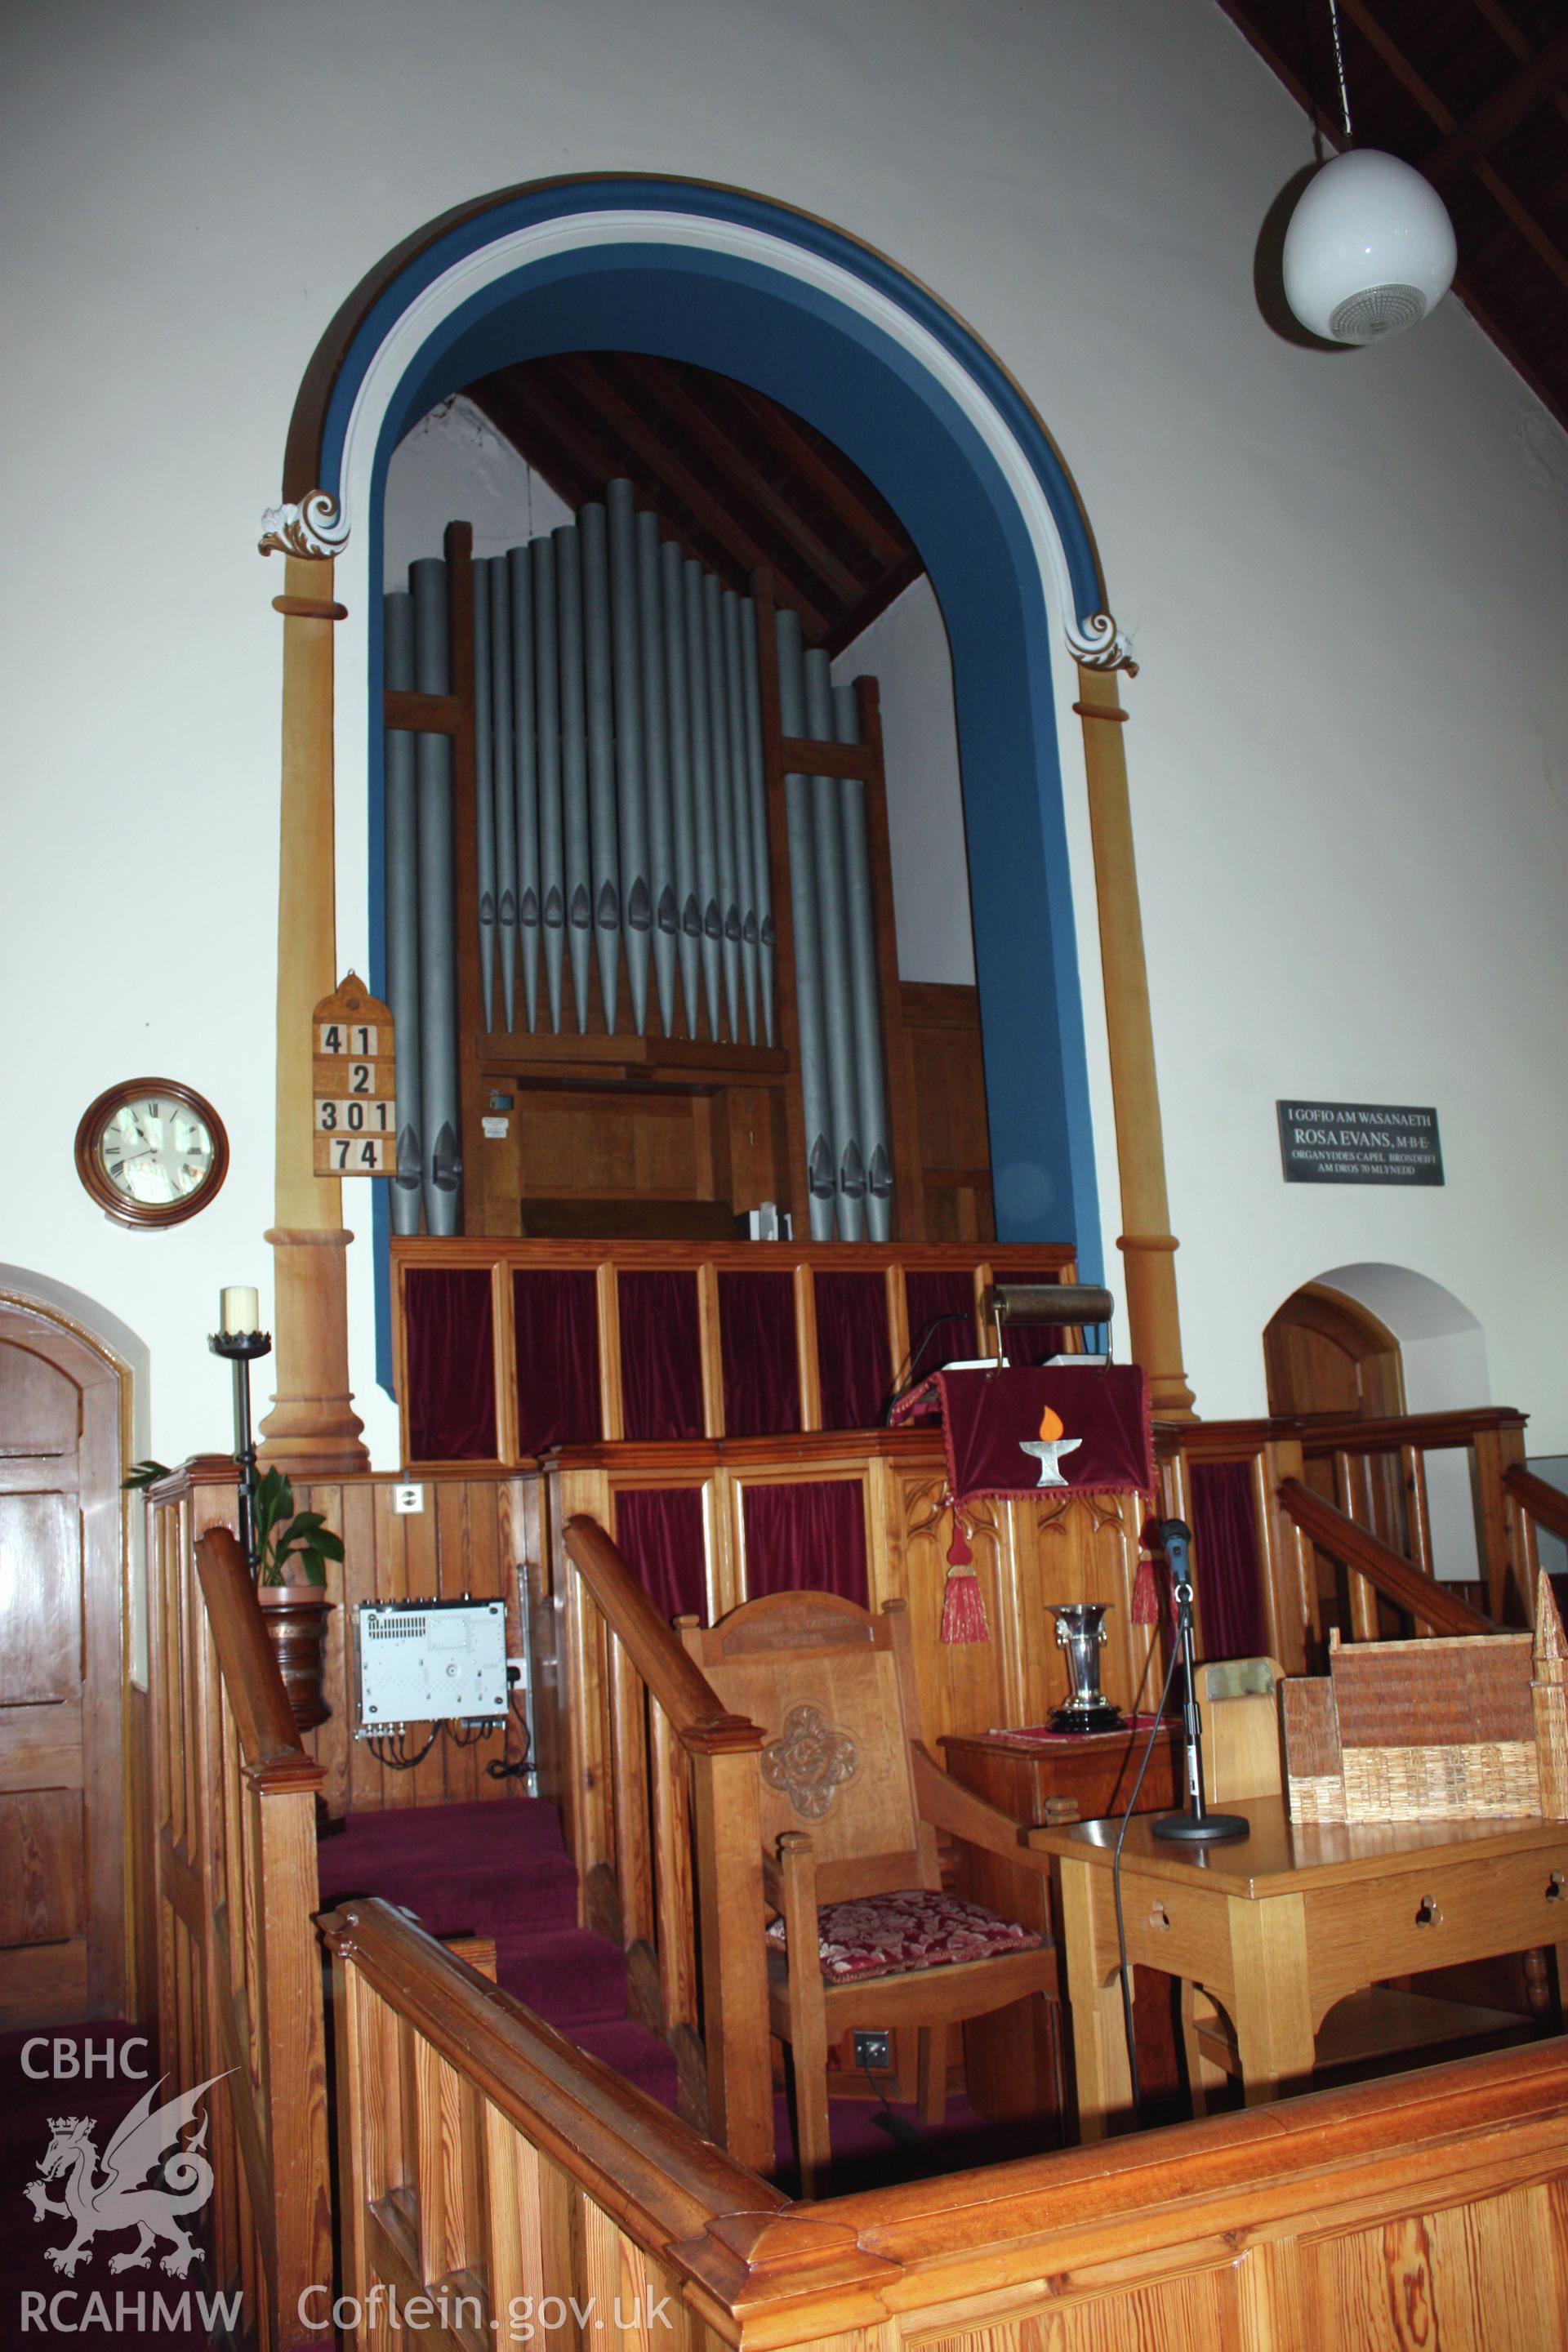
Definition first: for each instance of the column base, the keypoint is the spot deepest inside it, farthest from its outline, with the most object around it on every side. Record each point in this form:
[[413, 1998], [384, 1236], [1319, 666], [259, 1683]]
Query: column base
[[312, 1430]]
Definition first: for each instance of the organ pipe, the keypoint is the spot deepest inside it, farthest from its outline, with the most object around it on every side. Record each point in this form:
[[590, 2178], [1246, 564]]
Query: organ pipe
[[723, 803], [441, 1164], [402, 917], [603, 829], [757, 788], [702, 796], [526, 775], [832, 916], [682, 788], [503, 738], [631, 771], [870, 1084], [551, 829], [621, 796], [579, 882], [820, 1171], [484, 792]]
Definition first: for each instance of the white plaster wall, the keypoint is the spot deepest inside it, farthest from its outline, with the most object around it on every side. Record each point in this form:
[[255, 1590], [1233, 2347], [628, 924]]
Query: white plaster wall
[[454, 467], [906, 651], [1344, 575]]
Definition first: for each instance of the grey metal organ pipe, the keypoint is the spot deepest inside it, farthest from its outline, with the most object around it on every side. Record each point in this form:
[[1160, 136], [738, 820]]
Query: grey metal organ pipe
[[501, 664], [837, 1012], [631, 768], [403, 916], [551, 845], [870, 1078], [656, 758], [442, 1169], [526, 775], [484, 791], [820, 1167]]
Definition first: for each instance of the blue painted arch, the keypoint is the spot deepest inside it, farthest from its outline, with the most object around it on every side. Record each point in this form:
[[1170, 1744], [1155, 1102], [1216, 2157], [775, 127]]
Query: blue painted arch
[[897, 420]]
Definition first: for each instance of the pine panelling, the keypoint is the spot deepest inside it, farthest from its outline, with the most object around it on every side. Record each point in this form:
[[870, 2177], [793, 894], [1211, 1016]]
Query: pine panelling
[[468, 1541]]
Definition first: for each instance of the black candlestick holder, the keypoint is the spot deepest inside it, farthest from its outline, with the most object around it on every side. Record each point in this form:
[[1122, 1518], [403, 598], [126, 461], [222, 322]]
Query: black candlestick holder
[[242, 1347]]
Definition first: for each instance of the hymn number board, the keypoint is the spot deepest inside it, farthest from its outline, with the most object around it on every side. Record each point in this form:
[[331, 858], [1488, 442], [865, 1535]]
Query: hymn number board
[[355, 1085]]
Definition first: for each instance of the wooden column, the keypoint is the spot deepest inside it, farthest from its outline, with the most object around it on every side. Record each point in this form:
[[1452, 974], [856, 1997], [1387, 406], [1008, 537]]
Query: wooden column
[[1147, 1243], [313, 1427]]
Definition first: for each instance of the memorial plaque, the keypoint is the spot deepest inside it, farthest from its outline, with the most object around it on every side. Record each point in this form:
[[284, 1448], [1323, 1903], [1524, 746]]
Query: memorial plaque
[[1359, 1143]]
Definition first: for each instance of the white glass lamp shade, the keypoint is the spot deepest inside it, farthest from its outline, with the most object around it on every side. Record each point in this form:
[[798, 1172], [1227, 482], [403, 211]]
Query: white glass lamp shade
[[1369, 251]]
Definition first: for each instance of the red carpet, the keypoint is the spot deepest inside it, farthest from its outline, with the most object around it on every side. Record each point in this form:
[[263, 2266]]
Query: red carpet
[[501, 1870]]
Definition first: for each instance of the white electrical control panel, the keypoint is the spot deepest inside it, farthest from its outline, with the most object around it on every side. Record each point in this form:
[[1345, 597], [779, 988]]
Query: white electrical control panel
[[428, 1662]]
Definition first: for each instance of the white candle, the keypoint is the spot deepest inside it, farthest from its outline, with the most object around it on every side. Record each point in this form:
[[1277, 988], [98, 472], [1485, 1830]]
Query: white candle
[[240, 1310]]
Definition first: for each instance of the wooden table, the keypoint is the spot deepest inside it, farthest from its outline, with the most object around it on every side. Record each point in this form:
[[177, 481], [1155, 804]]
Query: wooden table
[[1281, 1925], [1010, 2059]]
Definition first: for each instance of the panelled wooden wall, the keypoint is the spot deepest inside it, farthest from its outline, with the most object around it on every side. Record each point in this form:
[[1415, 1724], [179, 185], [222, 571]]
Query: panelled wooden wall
[[470, 1540], [1028, 1553], [971, 1267]]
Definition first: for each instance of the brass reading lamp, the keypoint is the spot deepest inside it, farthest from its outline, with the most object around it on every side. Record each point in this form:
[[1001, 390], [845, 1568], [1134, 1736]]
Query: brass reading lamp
[[1052, 1303]]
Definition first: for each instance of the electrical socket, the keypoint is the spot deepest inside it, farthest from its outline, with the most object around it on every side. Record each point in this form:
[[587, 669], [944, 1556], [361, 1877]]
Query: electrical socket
[[874, 2052], [407, 1499]]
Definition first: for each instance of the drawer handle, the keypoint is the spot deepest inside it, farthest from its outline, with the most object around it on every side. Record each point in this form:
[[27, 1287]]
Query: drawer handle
[[1159, 1917], [1428, 1912], [1555, 1887]]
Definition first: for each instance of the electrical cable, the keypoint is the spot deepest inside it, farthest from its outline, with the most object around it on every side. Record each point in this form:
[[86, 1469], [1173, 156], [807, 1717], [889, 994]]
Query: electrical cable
[[904, 1377], [1125, 1971]]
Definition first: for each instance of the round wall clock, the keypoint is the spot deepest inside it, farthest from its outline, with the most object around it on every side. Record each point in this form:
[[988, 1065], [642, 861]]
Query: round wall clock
[[150, 1151]]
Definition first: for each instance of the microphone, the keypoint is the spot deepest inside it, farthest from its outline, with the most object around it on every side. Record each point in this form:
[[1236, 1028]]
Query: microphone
[[1198, 1826]]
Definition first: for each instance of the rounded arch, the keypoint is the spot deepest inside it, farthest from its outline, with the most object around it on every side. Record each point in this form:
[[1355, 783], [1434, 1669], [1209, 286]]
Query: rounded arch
[[837, 332]]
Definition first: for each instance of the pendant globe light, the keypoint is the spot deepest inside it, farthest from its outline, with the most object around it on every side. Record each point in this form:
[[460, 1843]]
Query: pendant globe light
[[1370, 248]]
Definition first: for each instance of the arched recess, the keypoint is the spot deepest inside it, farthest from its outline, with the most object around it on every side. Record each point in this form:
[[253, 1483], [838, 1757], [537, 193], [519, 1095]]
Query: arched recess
[[835, 331]]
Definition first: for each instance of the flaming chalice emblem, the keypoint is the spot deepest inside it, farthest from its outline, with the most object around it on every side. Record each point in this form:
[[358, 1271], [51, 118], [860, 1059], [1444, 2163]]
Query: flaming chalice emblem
[[1049, 1448]]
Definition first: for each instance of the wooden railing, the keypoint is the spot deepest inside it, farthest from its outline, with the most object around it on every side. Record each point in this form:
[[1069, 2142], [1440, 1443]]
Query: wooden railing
[[514, 2184], [239, 1984], [1378, 1526], [1491, 1437], [892, 1265], [1435, 1609], [664, 1820]]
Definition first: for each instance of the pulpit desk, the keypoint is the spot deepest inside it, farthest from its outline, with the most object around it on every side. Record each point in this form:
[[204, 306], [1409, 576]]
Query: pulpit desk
[[1010, 2060], [1281, 1925]]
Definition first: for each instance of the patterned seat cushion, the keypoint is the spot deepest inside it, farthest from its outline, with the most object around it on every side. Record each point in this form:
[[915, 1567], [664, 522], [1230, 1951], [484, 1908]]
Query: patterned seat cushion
[[893, 1935]]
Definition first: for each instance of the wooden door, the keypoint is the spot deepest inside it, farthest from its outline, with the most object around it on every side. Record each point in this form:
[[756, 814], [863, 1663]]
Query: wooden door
[[1325, 1353], [62, 1929]]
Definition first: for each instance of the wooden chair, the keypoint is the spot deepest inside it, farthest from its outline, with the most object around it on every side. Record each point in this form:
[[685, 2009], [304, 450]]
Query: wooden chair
[[1238, 1704], [851, 1803]]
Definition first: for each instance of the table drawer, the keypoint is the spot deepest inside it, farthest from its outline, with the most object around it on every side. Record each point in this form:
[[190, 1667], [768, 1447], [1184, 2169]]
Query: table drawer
[[1455, 1911], [1182, 1934]]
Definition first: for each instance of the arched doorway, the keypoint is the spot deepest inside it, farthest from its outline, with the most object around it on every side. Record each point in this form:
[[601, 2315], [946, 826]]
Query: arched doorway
[[834, 331], [63, 1422]]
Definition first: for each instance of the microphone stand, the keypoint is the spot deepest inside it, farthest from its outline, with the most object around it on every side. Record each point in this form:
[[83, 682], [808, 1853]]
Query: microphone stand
[[1198, 1826]]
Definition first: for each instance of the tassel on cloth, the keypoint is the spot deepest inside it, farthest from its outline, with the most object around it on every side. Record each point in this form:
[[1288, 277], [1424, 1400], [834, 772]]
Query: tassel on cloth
[[963, 1608], [1145, 1593]]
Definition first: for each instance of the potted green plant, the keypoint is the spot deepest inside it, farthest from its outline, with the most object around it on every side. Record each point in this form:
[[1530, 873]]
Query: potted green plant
[[292, 1551]]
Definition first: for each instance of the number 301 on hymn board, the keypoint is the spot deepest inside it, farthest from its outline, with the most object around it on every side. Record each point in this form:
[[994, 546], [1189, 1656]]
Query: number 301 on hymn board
[[354, 1111]]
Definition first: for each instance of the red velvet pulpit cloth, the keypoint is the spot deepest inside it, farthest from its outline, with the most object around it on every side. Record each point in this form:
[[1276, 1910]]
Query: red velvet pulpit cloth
[[990, 1419], [1002, 1428]]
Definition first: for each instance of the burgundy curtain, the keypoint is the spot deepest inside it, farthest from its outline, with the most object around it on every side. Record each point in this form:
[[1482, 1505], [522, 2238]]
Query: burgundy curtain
[[661, 1355], [852, 1349], [761, 1377], [1031, 1343], [659, 1531], [450, 1364], [1225, 1573], [929, 1295], [810, 1537], [557, 1325]]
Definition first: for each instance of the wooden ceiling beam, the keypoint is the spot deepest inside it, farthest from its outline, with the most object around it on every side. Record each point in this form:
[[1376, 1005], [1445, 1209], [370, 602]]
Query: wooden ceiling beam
[[882, 592], [706, 431], [1535, 232], [807, 459], [1478, 132], [677, 478]]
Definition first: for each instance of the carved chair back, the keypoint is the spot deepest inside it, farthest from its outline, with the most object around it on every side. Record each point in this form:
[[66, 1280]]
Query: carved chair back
[[834, 1690]]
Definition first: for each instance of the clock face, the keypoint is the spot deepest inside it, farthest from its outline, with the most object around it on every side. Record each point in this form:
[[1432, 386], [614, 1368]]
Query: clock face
[[151, 1153]]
